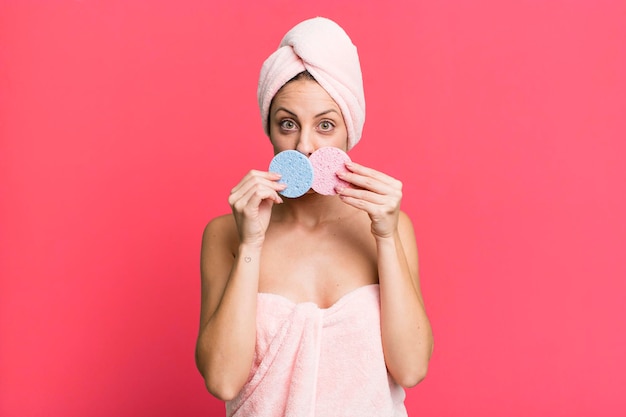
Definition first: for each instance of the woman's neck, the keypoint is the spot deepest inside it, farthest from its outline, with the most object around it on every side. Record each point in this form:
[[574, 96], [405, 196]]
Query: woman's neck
[[310, 209]]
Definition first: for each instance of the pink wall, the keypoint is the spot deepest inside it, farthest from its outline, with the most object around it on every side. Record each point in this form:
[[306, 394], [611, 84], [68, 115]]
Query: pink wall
[[124, 124]]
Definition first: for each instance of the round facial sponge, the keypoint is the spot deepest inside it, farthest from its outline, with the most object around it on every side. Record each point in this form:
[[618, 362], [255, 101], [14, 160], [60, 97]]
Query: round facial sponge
[[295, 170], [327, 162]]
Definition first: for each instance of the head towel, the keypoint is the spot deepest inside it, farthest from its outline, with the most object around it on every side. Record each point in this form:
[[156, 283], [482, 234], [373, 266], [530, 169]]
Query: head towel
[[323, 48]]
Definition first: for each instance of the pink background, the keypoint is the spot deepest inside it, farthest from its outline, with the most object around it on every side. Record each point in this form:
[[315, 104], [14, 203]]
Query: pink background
[[125, 123]]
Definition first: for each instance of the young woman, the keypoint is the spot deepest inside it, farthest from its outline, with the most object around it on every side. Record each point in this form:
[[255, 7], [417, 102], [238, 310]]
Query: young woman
[[311, 306]]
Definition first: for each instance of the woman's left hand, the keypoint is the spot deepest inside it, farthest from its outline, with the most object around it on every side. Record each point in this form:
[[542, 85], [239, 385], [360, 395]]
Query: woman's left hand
[[376, 193]]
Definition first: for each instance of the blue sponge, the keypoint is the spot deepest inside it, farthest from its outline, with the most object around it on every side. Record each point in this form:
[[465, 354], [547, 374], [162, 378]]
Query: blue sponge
[[296, 171]]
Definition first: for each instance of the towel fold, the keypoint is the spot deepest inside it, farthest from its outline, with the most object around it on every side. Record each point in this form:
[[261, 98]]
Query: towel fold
[[322, 48], [312, 362]]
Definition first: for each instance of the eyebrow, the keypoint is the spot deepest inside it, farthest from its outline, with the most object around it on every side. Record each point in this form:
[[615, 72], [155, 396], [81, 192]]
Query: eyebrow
[[296, 116], [326, 112]]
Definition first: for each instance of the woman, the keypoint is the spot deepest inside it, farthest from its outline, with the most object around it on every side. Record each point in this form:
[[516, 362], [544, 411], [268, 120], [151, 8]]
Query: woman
[[311, 306]]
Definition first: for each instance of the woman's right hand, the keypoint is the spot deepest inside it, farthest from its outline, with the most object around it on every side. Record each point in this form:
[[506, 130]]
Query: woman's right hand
[[251, 202]]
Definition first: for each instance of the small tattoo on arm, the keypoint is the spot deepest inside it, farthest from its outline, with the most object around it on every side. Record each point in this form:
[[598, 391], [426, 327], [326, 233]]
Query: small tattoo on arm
[[247, 259]]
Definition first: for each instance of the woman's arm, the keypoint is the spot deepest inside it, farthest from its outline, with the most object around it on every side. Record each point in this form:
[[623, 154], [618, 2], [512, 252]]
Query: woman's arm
[[230, 279], [406, 332]]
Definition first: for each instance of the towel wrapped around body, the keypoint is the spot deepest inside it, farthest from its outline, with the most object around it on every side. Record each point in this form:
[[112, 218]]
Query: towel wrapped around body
[[313, 362]]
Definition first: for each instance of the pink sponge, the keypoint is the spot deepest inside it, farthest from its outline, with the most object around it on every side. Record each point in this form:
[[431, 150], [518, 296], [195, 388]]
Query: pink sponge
[[327, 162]]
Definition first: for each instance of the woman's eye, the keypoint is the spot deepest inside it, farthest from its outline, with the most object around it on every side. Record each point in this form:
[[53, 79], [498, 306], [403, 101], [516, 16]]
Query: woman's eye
[[326, 126], [287, 125]]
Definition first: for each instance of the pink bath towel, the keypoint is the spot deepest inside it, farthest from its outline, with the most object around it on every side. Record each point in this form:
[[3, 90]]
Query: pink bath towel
[[313, 362]]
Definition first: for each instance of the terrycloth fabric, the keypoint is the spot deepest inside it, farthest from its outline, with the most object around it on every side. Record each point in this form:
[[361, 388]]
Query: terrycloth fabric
[[313, 362], [323, 48]]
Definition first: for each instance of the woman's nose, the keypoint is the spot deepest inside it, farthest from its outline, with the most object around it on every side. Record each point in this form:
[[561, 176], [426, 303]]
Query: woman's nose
[[305, 143]]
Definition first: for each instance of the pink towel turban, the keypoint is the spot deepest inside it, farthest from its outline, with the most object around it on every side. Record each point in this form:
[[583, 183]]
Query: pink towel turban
[[322, 48]]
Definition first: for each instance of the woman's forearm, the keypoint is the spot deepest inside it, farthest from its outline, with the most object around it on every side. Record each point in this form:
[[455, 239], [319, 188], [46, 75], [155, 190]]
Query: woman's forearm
[[406, 332], [225, 349]]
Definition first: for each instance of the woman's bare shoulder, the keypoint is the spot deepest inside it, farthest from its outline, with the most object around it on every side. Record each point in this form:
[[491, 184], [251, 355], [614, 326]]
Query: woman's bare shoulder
[[407, 231], [405, 220], [225, 221], [221, 230]]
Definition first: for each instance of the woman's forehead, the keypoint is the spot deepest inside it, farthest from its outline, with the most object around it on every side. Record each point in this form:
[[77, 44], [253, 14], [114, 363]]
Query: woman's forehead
[[304, 96]]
